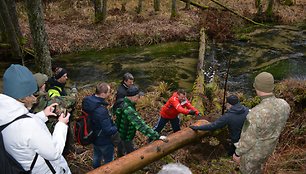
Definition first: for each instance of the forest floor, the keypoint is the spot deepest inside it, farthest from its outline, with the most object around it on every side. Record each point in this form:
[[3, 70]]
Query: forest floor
[[70, 27]]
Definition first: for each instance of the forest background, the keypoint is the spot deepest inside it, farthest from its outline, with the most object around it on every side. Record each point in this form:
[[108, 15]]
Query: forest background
[[73, 26]]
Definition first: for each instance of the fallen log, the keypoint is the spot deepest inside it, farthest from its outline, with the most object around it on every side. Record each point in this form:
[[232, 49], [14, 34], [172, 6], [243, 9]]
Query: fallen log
[[151, 152], [202, 7]]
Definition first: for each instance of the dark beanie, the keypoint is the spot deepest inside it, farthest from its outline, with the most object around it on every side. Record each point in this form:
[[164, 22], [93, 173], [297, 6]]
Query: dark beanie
[[59, 72], [232, 99], [264, 82], [18, 82], [132, 91]]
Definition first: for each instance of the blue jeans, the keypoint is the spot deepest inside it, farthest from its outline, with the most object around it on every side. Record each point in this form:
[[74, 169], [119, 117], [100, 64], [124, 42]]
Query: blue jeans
[[105, 152], [175, 124]]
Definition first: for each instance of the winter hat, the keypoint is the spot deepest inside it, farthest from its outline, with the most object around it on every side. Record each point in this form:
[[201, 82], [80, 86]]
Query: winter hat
[[264, 82], [133, 90], [59, 72], [40, 79], [232, 99], [18, 82]]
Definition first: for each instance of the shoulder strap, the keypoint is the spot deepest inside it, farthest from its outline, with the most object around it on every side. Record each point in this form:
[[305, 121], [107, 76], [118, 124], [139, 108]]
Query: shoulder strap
[[20, 117], [33, 162], [36, 156], [50, 166]]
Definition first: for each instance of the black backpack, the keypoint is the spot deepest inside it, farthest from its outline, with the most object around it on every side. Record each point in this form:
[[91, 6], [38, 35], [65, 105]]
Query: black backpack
[[83, 132], [8, 164]]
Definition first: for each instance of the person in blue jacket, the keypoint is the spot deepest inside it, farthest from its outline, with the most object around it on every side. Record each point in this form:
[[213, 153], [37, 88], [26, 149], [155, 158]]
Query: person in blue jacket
[[102, 124], [234, 118]]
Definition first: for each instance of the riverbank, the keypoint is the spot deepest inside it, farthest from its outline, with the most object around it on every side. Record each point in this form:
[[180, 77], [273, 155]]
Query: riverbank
[[70, 26]]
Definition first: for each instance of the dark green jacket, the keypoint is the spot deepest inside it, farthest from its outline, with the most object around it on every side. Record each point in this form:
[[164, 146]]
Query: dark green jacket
[[128, 121]]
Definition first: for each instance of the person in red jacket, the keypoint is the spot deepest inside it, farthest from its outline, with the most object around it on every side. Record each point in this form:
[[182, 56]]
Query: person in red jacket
[[178, 103]]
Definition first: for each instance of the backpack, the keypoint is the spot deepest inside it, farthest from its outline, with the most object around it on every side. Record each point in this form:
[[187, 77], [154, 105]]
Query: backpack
[[8, 164], [83, 132]]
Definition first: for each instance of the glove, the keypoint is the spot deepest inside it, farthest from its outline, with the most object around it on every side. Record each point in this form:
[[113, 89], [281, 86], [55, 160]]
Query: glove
[[116, 139], [164, 138], [194, 127], [191, 112]]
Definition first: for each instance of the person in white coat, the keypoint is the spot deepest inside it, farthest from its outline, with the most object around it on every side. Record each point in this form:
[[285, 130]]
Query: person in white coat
[[28, 136]]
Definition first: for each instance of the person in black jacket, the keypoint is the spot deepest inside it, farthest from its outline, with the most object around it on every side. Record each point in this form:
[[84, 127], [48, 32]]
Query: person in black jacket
[[234, 118], [102, 124], [127, 81]]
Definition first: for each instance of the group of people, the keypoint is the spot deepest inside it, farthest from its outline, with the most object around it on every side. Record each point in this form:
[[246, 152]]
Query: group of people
[[28, 140], [254, 133], [122, 132]]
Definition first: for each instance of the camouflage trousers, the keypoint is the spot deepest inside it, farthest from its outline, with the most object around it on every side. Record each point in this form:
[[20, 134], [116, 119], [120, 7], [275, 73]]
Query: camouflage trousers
[[251, 165]]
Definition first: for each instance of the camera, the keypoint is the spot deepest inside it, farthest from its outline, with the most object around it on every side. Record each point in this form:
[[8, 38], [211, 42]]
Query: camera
[[58, 110]]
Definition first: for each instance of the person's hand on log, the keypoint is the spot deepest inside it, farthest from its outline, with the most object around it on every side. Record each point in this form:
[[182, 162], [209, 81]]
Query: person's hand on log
[[164, 139]]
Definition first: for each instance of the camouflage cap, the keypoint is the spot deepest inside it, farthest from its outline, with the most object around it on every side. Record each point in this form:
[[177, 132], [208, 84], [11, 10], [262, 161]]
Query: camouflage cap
[[264, 82]]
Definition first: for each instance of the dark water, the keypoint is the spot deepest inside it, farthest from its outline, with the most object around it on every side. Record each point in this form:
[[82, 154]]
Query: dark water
[[281, 52]]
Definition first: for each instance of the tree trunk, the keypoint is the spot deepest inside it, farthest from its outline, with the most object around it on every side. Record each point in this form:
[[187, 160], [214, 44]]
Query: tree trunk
[[98, 6], [187, 7], [258, 5], [173, 9], [269, 11], [10, 30], [3, 33], [104, 11], [156, 5], [156, 150], [139, 7], [123, 5], [11, 6], [39, 36]]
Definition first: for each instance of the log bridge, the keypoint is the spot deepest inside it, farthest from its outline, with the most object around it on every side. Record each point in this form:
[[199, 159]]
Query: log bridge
[[156, 150]]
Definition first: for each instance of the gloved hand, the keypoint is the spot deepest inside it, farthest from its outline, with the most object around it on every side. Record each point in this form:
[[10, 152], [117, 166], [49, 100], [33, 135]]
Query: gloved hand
[[191, 112], [116, 139], [194, 127], [164, 139]]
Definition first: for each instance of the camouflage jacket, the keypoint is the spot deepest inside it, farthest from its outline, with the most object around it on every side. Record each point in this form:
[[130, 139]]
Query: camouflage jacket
[[128, 121], [263, 127], [64, 103]]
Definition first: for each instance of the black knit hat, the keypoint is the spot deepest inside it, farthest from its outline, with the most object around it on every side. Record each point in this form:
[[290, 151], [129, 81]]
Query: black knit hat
[[232, 99], [133, 90], [59, 72]]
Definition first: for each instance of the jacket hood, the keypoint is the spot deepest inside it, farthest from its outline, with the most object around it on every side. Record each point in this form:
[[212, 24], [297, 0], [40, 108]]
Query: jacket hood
[[90, 103], [10, 109], [238, 109]]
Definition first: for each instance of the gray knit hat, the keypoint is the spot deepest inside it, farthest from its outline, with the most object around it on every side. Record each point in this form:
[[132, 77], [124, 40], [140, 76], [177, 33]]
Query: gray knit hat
[[264, 82], [18, 82]]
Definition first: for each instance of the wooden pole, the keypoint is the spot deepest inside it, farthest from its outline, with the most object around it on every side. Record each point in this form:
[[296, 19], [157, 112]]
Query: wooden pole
[[142, 157]]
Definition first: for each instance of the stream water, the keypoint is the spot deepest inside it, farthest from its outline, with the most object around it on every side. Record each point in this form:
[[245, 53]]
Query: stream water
[[281, 51]]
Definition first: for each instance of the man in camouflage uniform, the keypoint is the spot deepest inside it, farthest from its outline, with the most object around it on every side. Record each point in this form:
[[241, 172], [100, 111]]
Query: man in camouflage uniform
[[65, 103], [128, 121], [262, 127]]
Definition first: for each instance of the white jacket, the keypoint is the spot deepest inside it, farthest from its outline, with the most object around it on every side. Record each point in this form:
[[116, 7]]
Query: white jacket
[[28, 136]]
